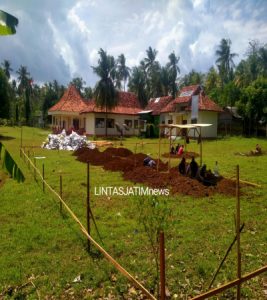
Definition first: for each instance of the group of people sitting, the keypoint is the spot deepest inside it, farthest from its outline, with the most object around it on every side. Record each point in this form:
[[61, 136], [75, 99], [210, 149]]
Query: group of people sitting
[[178, 150], [203, 175]]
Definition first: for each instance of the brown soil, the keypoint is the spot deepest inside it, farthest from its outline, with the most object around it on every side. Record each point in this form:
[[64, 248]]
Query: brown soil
[[121, 159], [186, 154]]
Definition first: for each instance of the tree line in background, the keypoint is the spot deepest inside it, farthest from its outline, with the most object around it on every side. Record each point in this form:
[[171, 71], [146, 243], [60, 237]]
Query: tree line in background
[[243, 85]]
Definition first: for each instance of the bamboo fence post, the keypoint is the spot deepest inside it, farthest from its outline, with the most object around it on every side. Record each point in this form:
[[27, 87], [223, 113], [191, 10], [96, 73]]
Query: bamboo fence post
[[88, 203], [61, 193], [238, 294], [162, 266], [43, 178]]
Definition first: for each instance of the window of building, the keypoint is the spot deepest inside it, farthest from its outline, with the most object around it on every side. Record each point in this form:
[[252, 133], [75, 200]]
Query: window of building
[[129, 123], [111, 123], [135, 124], [99, 123], [170, 121]]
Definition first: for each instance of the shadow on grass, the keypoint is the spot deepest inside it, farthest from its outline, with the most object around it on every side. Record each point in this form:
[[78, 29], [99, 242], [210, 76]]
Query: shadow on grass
[[6, 138]]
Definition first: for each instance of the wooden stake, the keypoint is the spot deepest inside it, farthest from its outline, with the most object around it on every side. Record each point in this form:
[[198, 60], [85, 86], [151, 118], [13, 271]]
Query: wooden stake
[[60, 184], [43, 179], [162, 266], [88, 203], [238, 294]]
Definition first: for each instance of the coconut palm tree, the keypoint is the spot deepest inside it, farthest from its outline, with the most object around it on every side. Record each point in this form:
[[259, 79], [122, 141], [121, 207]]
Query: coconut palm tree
[[152, 67], [173, 69], [105, 93], [165, 80], [7, 68], [25, 90], [225, 60], [137, 84], [122, 70]]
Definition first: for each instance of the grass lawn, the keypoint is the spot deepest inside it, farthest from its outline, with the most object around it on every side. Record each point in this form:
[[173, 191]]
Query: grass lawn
[[45, 249]]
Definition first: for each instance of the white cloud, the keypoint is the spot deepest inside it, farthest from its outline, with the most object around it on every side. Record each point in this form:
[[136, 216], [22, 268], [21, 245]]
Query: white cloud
[[63, 47], [76, 20], [59, 43]]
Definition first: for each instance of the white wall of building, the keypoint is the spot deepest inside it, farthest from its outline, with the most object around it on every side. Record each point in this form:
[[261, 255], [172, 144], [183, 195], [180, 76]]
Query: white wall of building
[[97, 122], [208, 117], [89, 123]]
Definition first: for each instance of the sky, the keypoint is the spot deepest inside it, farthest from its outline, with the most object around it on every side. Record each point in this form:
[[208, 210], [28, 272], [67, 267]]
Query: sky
[[60, 39]]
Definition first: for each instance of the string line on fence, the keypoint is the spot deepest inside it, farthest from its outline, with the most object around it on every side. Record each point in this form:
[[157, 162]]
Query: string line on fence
[[101, 249]]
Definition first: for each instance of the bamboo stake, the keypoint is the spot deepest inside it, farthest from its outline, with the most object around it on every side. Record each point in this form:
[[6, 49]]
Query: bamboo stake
[[162, 266], [238, 294], [88, 204]]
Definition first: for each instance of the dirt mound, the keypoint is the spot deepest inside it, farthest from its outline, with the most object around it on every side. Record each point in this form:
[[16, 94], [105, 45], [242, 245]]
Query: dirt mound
[[121, 159], [119, 164], [187, 155], [122, 152], [93, 156]]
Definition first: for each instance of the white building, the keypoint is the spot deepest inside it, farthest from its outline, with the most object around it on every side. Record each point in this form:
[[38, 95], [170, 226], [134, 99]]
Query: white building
[[73, 112]]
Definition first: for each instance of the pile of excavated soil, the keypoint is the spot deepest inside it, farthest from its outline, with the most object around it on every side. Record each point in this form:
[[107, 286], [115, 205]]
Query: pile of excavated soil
[[121, 159], [122, 152], [186, 154], [93, 156]]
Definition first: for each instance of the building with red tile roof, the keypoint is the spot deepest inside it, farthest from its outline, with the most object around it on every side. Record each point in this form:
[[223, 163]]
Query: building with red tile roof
[[74, 112], [179, 110]]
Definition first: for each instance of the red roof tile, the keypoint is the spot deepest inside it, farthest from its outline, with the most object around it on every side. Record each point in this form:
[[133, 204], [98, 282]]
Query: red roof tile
[[204, 102], [127, 104], [207, 104], [157, 104], [71, 101]]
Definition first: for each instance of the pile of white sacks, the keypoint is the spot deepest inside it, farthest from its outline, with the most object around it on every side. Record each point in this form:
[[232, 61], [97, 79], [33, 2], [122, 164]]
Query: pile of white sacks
[[70, 142]]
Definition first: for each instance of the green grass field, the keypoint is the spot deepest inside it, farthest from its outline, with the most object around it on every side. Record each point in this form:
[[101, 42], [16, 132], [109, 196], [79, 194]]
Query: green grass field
[[45, 250]]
